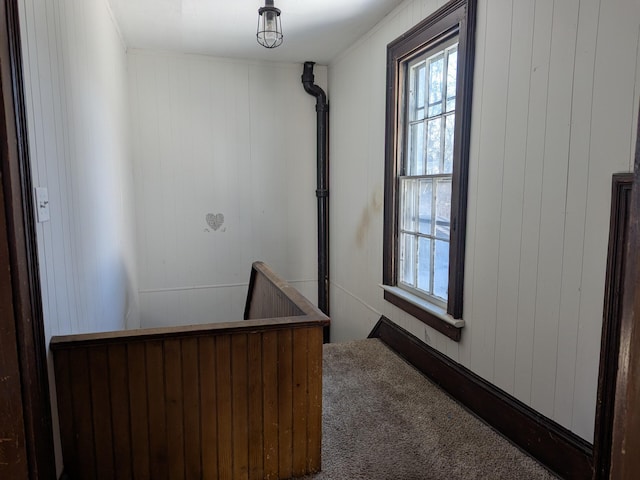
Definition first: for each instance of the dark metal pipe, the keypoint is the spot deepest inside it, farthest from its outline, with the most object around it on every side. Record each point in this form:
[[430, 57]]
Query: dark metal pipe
[[322, 191]]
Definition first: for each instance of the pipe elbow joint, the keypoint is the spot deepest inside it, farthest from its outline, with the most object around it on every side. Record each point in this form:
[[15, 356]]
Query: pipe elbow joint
[[310, 87], [307, 73]]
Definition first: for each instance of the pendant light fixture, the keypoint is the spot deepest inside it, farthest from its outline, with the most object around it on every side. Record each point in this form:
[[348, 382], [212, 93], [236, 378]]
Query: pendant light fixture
[[269, 27]]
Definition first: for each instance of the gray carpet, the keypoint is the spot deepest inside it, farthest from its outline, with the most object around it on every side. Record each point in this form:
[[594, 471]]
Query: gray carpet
[[384, 420]]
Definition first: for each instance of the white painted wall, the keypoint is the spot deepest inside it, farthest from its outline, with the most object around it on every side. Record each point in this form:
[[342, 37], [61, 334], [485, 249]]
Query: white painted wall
[[556, 94], [211, 136], [77, 112]]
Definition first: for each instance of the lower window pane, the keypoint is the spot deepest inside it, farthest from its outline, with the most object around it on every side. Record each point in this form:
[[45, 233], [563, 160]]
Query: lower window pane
[[434, 150], [408, 204], [424, 264], [443, 208], [441, 272], [448, 143], [415, 164], [426, 203], [407, 259]]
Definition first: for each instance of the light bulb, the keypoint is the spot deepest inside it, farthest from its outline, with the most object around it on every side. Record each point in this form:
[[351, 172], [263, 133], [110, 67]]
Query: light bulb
[[270, 27]]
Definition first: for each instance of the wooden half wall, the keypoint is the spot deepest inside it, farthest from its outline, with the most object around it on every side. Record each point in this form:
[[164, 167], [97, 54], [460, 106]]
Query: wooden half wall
[[240, 400]]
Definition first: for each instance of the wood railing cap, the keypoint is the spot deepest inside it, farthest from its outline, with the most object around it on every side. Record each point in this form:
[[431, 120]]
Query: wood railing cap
[[226, 328], [310, 316]]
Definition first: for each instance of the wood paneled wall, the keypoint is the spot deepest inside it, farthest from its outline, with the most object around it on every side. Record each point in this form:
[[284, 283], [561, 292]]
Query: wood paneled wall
[[76, 95], [219, 135], [270, 297], [240, 400], [553, 117]]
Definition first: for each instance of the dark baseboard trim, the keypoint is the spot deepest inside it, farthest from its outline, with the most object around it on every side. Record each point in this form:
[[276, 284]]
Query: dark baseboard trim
[[557, 448]]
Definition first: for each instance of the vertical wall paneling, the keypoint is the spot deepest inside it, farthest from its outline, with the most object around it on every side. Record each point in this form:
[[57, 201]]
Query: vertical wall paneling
[[192, 417], [609, 153], [636, 97], [78, 126], [137, 369], [234, 403], [120, 417], [78, 119], [208, 407], [555, 92], [270, 403], [285, 404], [174, 393], [65, 412], [224, 137], [240, 406], [576, 211], [256, 415], [490, 159], [300, 399], [314, 416], [224, 406], [553, 204], [83, 428], [156, 404], [513, 193], [530, 236], [465, 350], [100, 402]]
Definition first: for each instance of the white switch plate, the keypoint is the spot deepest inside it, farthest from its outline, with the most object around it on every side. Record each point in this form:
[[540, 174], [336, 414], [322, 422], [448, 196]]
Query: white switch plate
[[42, 204]]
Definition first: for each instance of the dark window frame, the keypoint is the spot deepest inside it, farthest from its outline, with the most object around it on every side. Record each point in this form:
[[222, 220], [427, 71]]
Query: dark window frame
[[456, 16]]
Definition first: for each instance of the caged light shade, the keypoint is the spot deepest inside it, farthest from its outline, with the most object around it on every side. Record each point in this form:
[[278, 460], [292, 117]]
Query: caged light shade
[[269, 33]]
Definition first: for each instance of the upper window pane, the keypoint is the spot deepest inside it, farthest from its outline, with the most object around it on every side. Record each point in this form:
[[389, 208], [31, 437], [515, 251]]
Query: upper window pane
[[436, 71], [434, 146], [452, 76], [415, 160], [448, 142], [418, 90]]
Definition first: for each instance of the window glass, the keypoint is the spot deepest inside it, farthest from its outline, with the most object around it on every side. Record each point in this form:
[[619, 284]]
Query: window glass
[[427, 133], [425, 188]]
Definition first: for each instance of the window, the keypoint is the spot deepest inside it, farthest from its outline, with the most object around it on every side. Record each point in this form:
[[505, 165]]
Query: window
[[429, 80]]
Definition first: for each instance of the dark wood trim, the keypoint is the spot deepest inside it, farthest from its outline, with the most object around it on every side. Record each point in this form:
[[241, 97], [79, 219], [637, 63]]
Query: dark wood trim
[[554, 446], [424, 316], [625, 460], [610, 343], [252, 283], [222, 328], [16, 178], [131, 389], [460, 181], [305, 315], [294, 296], [13, 448], [457, 15]]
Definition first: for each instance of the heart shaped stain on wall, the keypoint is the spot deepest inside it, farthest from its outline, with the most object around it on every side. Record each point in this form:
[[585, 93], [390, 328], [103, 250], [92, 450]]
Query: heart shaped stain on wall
[[215, 220]]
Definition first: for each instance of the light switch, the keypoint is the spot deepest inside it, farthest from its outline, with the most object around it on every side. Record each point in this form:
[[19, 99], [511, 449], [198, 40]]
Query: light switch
[[42, 204]]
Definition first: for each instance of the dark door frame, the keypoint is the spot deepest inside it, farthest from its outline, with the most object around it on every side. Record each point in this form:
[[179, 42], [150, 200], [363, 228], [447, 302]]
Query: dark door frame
[[19, 224], [610, 342], [625, 461]]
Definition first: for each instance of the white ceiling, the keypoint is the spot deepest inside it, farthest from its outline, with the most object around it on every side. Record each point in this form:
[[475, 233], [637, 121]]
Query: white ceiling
[[314, 30]]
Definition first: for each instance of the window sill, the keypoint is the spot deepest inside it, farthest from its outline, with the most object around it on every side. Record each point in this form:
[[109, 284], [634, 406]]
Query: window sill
[[424, 311]]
